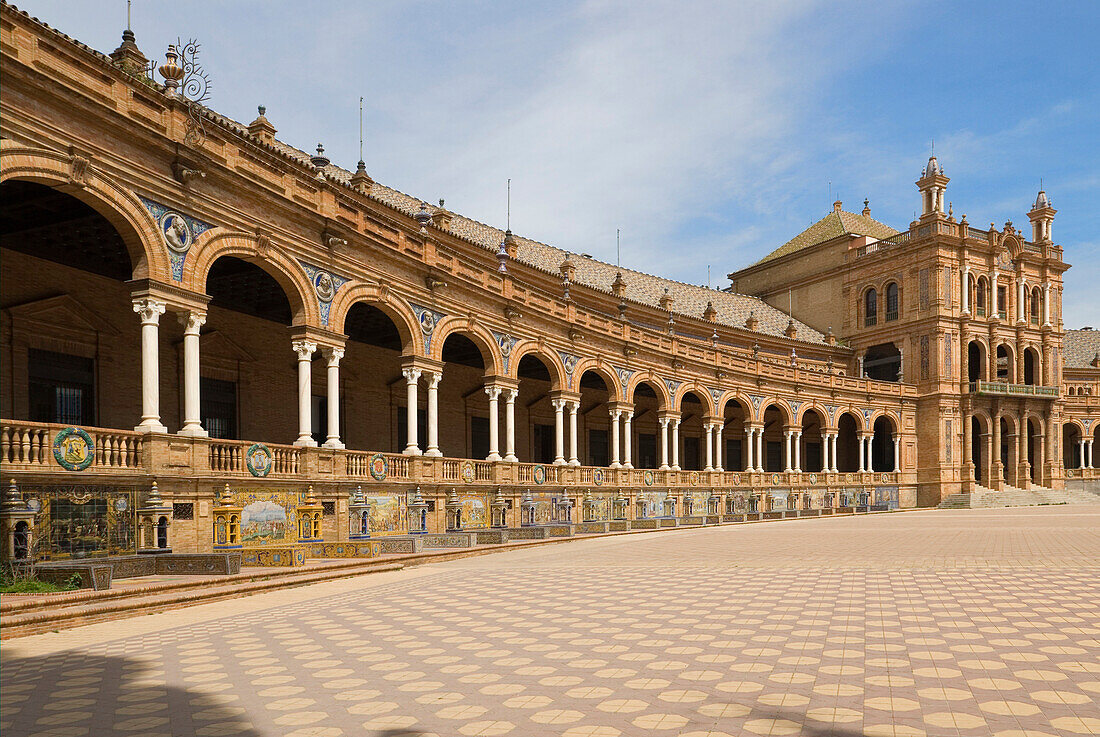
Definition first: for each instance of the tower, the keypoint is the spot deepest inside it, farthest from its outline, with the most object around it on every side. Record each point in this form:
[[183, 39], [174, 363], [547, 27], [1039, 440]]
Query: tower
[[932, 185], [1041, 216]]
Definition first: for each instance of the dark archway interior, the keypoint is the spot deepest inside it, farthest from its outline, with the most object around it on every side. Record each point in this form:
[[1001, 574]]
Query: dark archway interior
[[592, 380], [235, 284], [1004, 361], [813, 454], [532, 367], [882, 446], [847, 444], [463, 351], [1030, 376], [367, 324], [976, 446], [41, 221], [973, 362], [645, 390], [882, 362]]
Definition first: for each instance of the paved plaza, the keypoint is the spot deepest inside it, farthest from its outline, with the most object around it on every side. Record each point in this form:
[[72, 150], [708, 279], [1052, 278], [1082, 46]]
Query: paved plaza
[[970, 622]]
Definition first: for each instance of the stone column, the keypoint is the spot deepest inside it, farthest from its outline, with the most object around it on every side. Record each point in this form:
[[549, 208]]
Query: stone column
[[614, 440], [1023, 461], [1046, 304], [708, 430], [760, 449], [662, 435], [412, 378], [965, 274], [994, 306], [559, 431], [1089, 444], [192, 405], [897, 451], [150, 311], [987, 455], [1021, 316], [797, 440], [676, 444], [628, 456], [718, 446], [332, 439], [494, 422], [787, 455], [1080, 453], [433, 378], [750, 442], [968, 450], [510, 425], [574, 406], [826, 441], [997, 468], [305, 349], [1041, 460], [834, 468], [862, 454]]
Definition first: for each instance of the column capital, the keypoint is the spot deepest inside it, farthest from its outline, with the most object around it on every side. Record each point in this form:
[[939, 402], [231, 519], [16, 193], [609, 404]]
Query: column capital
[[412, 375], [493, 391], [558, 403], [510, 394], [304, 348], [149, 310], [432, 377], [333, 354], [192, 321]]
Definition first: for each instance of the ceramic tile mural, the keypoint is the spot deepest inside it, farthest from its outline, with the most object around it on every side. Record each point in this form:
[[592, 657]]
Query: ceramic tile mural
[[654, 502], [387, 515], [475, 511], [601, 507], [778, 499], [77, 521], [269, 515], [698, 501], [887, 496]]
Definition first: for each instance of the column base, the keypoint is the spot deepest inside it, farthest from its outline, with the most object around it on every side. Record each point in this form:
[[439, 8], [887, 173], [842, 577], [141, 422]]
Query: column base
[[615, 464], [151, 426], [573, 462], [493, 457], [433, 453], [413, 451], [628, 466], [334, 444], [193, 431], [674, 467], [511, 458], [305, 442], [663, 467], [558, 462]]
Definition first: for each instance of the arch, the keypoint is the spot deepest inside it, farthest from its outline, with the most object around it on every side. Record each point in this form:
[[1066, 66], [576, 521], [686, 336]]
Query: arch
[[981, 297], [813, 424], [1073, 431], [977, 362], [548, 358], [481, 337], [694, 387], [660, 388], [1032, 366], [870, 307], [394, 307], [849, 426], [122, 209], [605, 371], [815, 408], [882, 444], [1036, 305], [1006, 362], [741, 399], [855, 415], [217, 243]]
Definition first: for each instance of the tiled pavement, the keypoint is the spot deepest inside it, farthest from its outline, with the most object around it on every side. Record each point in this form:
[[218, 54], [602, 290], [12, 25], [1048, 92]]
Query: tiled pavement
[[969, 622]]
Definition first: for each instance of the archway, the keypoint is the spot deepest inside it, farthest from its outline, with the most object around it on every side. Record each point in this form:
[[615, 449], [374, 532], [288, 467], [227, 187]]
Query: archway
[[648, 403], [595, 393], [735, 420], [882, 445], [463, 404], [1035, 449], [776, 421], [981, 297], [847, 443], [65, 268], [693, 409], [1009, 449], [535, 435], [244, 365], [975, 361], [977, 448], [812, 452], [373, 392], [1071, 445], [882, 362], [1031, 367], [1005, 364]]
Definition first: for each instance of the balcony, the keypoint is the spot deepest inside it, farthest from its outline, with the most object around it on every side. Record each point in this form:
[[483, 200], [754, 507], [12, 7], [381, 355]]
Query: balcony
[[33, 447], [1004, 389]]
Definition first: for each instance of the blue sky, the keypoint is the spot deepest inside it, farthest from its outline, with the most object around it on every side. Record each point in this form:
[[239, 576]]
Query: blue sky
[[710, 133]]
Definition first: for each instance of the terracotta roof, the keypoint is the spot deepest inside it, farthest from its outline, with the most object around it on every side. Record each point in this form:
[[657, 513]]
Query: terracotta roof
[[690, 300], [836, 223], [1079, 347]]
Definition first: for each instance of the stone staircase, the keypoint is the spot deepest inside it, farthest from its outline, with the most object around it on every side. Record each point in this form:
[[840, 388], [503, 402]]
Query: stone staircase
[[1010, 496]]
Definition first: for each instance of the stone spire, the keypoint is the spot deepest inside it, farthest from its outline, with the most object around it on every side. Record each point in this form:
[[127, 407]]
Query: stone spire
[[128, 56], [261, 127]]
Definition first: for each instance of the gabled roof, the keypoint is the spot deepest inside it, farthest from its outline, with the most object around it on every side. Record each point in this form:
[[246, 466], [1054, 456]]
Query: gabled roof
[[836, 223]]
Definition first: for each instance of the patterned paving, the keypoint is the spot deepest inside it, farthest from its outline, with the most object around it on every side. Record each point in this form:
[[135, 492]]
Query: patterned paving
[[972, 622]]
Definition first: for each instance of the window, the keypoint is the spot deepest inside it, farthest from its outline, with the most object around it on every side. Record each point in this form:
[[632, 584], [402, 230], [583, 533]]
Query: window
[[479, 437], [1036, 299], [1002, 302], [870, 308], [690, 461], [924, 289], [218, 408], [891, 301], [61, 388], [979, 298]]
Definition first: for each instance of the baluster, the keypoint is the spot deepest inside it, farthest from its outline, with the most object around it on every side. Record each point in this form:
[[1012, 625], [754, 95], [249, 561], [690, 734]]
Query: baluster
[[39, 447], [5, 443]]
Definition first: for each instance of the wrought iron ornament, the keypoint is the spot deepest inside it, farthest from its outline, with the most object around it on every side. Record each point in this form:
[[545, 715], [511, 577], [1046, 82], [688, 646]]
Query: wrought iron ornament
[[195, 89]]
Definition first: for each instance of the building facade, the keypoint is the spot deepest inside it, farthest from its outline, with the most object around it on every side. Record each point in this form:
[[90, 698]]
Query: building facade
[[189, 301]]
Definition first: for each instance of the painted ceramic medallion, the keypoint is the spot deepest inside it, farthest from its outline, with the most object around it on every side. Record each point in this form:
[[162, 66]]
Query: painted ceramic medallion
[[73, 449], [468, 471], [693, 477], [647, 478], [379, 467], [258, 459], [539, 474], [177, 235], [597, 477]]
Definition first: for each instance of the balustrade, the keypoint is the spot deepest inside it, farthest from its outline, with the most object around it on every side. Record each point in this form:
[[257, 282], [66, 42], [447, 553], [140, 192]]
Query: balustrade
[[31, 444]]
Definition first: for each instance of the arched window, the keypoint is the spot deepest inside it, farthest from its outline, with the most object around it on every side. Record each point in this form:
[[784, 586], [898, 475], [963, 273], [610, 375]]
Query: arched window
[[1036, 302], [891, 301], [870, 305], [979, 297]]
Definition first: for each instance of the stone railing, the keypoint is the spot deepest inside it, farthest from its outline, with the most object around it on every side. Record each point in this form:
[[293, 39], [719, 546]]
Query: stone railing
[[43, 445], [1004, 389], [29, 446]]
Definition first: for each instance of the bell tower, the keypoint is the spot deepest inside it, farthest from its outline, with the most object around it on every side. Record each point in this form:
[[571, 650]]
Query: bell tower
[[932, 185], [1042, 217]]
